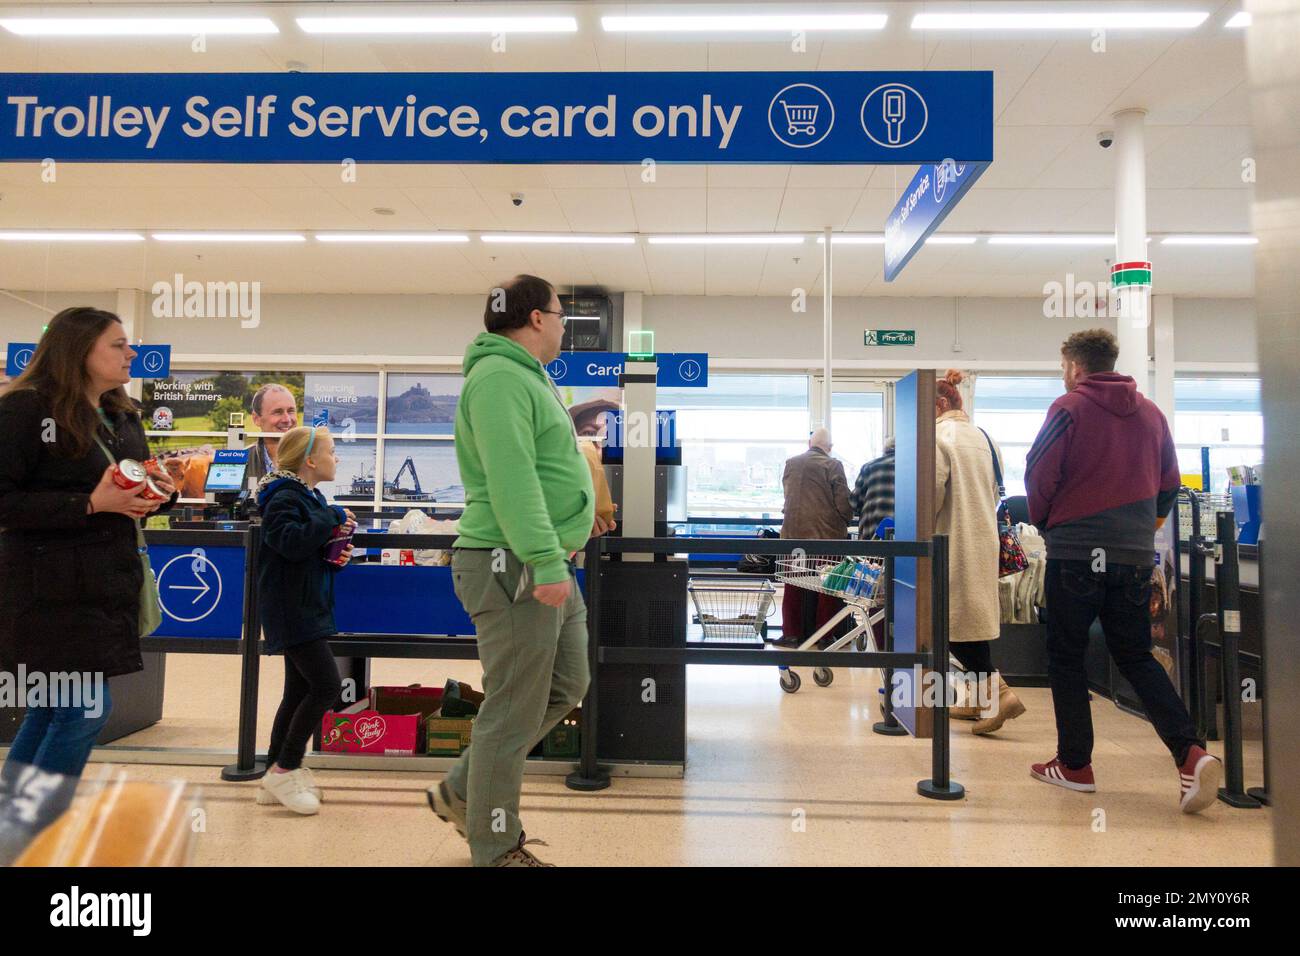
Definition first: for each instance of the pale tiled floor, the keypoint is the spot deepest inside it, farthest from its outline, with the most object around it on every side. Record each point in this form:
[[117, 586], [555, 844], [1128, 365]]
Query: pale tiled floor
[[760, 763]]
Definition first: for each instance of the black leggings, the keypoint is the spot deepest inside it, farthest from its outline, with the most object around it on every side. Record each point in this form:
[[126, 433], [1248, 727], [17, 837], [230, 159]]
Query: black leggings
[[311, 686], [974, 655]]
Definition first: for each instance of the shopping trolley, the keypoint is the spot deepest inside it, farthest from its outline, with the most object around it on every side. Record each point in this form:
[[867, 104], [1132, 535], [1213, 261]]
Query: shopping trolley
[[732, 610], [858, 582], [800, 119]]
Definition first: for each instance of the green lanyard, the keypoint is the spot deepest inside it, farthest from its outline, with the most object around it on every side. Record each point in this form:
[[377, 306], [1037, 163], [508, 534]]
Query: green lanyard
[[107, 423]]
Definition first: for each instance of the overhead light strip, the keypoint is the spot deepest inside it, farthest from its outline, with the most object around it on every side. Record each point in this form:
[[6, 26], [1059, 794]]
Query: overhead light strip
[[744, 23], [1073, 20], [1239, 20], [380, 237], [229, 237], [137, 26], [360, 26], [35, 236], [1208, 240], [711, 239], [560, 238]]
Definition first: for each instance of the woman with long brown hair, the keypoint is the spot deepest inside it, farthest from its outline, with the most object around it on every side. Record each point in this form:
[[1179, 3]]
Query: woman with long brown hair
[[70, 567]]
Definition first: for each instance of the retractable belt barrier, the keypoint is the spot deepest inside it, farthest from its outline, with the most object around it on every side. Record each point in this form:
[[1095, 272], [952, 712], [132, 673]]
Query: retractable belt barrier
[[202, 567]]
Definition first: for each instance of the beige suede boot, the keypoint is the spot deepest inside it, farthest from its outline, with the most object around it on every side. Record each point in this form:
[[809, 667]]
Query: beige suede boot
[[1009, 708], [967, 706]]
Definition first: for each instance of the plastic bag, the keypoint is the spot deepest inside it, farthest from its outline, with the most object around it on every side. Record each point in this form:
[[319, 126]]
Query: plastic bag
[[417, 522]]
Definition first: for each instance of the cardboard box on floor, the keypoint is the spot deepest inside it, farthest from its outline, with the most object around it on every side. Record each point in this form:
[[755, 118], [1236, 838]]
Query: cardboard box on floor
[[447, 736], [389, 720]]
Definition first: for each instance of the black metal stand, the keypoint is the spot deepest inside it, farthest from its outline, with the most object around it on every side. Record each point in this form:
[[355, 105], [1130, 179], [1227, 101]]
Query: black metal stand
[[1227, 587], [1261, 793], [1195, 669], [889, 725], [939, 786], [590, 777], [247, 766]]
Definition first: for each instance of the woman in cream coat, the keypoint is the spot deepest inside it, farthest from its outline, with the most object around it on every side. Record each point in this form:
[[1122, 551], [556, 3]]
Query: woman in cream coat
[[966, 500]]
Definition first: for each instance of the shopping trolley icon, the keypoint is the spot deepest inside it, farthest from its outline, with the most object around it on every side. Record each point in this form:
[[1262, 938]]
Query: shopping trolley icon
[[800, 119]]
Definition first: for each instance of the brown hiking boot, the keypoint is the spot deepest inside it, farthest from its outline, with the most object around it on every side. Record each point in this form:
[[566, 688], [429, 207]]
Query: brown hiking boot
[[520, 856], [1009, 707]]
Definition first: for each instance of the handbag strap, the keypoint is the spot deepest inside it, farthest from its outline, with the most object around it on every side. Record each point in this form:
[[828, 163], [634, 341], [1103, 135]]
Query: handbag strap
[[112, 460], [997, 468]]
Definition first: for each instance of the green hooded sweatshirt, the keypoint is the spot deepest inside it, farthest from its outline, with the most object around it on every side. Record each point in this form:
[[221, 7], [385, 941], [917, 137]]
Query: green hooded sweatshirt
[[527, 485]]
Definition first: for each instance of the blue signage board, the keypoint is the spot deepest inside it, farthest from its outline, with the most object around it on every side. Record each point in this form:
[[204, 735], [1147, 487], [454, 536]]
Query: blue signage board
[[151, 361], [201, 591], [17, 357], [933, 193], [895, 117], [602, 369], [665, 435]]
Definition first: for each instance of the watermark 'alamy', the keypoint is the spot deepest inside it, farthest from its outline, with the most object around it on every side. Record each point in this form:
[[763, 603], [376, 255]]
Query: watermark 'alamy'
[[208, 300], [82, 690], [1084, 299]]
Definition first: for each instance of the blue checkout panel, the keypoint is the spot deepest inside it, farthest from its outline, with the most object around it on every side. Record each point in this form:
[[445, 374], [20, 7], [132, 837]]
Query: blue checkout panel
[[201, 591]]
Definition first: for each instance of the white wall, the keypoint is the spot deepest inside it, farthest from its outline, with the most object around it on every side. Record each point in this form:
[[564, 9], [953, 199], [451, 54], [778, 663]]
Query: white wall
[[739, 331]]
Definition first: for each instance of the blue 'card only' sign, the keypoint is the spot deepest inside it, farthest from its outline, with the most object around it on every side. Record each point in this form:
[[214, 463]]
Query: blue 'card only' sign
[[602, 369], [898, 117], [151, 361], [933, 193]]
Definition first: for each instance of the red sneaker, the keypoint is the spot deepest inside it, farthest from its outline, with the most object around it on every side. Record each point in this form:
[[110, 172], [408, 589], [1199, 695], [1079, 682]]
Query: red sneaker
[[1199, 776], [1057, 773]]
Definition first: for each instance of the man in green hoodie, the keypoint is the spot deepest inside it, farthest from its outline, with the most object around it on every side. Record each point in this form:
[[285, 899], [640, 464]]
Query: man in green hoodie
[[529, 505]]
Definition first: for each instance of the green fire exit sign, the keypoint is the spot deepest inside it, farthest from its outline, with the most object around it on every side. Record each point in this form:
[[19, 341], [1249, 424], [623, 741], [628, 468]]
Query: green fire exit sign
[[889, 337]]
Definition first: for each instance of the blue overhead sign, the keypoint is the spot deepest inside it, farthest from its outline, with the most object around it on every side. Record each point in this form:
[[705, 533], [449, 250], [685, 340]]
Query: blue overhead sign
[[933, 193], [17, 357], [897, 117], [151, 361], [602, 369]]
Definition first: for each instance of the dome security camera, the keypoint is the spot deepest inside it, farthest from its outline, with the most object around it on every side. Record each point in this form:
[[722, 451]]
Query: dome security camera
[[517, 198], [1105, 138]]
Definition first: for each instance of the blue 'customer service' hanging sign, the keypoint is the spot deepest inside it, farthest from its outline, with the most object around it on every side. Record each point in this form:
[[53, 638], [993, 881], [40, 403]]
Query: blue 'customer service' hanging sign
[[933, 193], [724, 117]]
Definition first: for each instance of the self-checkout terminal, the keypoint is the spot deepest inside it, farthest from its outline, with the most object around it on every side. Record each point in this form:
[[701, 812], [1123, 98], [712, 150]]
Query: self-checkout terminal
[[643, 597]]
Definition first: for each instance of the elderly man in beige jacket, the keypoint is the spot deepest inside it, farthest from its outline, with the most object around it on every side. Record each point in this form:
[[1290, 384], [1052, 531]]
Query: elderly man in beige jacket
[[816, 506], [966, 500]]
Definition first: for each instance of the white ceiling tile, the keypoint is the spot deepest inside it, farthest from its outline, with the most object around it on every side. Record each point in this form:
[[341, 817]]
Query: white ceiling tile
[[743, 210]]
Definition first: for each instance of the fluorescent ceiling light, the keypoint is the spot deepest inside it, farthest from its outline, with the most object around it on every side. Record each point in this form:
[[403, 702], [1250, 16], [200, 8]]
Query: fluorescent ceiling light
[[1239, 20], [1081, 20], [1207, 240], [71, 237], [853, 240], [391, 237], [709, 239], [561, 238], [951, 240], [1051, 240], [136, 26], [408, 25], [744, 23], [229, 237]]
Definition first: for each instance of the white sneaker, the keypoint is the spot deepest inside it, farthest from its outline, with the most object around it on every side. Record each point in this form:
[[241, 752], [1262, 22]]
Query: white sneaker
[[292, 789], [265, 798]]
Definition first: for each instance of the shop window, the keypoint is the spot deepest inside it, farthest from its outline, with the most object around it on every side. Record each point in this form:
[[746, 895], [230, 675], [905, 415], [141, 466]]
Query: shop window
[[737, 434], [1012, 409], [1223, 415]]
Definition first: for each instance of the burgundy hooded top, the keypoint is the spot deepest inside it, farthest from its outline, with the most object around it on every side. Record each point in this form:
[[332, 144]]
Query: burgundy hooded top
[[1101, 471]]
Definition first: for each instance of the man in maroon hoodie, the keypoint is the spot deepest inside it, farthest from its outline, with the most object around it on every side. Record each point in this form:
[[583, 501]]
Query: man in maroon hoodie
[[1101, 477]]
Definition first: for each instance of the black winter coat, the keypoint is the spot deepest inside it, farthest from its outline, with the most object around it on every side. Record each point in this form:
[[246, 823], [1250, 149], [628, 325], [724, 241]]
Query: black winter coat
[[69, 581], [295, 584]]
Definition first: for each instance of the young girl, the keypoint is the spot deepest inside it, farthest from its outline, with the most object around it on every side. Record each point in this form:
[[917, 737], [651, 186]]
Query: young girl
[[296, 590]]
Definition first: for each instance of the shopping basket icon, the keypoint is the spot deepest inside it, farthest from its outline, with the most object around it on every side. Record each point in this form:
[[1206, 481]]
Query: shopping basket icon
[[800, 119]]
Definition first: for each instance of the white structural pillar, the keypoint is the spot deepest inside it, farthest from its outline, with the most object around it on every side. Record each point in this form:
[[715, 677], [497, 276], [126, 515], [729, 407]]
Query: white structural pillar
[[1133, 300], [1162, 351], [827, 296], [131, 310]]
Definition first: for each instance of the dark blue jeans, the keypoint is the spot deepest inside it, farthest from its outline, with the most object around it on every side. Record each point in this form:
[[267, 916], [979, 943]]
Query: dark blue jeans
[[1120, 596], [58, 739]]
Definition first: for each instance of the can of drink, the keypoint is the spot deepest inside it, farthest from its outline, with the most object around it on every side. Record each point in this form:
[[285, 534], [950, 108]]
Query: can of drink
[[129, 474], [151, 491], [338, 543]]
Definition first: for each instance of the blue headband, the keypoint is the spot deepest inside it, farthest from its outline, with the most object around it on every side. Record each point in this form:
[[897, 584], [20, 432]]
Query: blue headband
[[310, 441]]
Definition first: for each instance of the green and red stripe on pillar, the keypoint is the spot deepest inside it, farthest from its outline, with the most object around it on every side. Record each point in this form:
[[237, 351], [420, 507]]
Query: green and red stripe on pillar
[[1124, 274]]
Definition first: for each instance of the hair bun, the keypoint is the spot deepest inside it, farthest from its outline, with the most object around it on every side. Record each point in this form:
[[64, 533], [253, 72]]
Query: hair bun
[[954, 377]]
